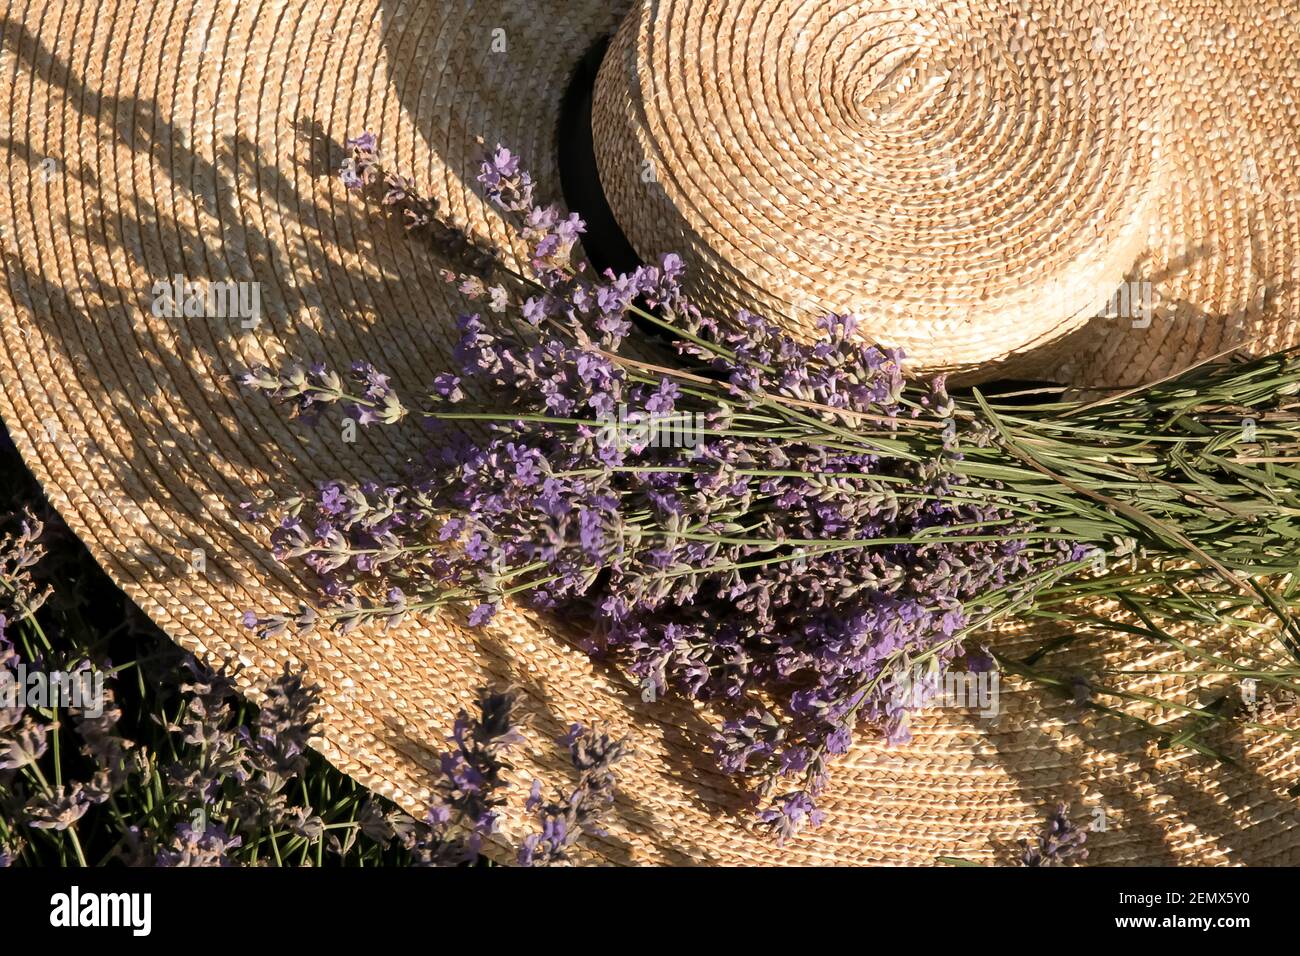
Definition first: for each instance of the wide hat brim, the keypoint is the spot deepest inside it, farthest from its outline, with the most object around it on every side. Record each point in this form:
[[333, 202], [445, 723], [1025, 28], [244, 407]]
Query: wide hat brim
[[197, 139]]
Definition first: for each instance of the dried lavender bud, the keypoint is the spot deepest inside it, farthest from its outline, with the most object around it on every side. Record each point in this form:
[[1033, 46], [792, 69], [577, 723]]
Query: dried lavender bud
[[1061, 842], [19, 553], [365, 394], [63, 807], [100, 742], [216, 751], [11, 704], [562, 822], [506, 185], [304, 823], [199, 846], [24, 745], [790, 813], [374, 824]]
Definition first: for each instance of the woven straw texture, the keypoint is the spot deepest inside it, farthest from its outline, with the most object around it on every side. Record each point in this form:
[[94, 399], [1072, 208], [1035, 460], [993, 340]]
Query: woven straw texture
[[196, 138], [975, 179]]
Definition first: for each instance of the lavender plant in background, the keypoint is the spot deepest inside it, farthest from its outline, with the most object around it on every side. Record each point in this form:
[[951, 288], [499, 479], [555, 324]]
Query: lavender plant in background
[[209, 781], [30, 799], [800, 553]]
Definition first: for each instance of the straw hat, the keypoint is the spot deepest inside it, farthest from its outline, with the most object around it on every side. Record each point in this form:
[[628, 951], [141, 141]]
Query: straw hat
[[151, 140], [978, 180]]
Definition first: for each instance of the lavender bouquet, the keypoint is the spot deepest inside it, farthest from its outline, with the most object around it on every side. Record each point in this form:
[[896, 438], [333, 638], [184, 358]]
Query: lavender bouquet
[[792, 532]]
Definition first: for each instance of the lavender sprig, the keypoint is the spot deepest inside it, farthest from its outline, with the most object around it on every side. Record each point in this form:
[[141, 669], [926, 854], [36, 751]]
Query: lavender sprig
[[581, 811]]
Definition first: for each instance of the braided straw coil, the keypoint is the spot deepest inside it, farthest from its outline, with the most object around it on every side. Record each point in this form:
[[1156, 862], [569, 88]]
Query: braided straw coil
[[147, 140], [976, 180]]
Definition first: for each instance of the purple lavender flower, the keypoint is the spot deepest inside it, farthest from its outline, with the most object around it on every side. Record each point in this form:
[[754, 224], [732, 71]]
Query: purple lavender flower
[[481, 615], [504, 183], [60, 809], [1060, 843], [562, 822], [285, 723], [23, 746], [778, 558], [358, 170], [199, 846], [469, 791], [790, 813]]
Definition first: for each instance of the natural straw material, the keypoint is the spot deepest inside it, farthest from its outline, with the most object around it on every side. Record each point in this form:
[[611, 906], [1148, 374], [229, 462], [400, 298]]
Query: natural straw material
[[976, 180], [196, 138], [970, 186]]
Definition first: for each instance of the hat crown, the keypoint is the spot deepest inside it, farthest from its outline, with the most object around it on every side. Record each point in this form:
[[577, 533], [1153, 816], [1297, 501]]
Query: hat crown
[[972, 179]]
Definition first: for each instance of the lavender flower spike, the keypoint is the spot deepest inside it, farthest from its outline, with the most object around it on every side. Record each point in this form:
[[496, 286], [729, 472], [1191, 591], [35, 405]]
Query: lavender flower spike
[[1060, 843], [562, 822]]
